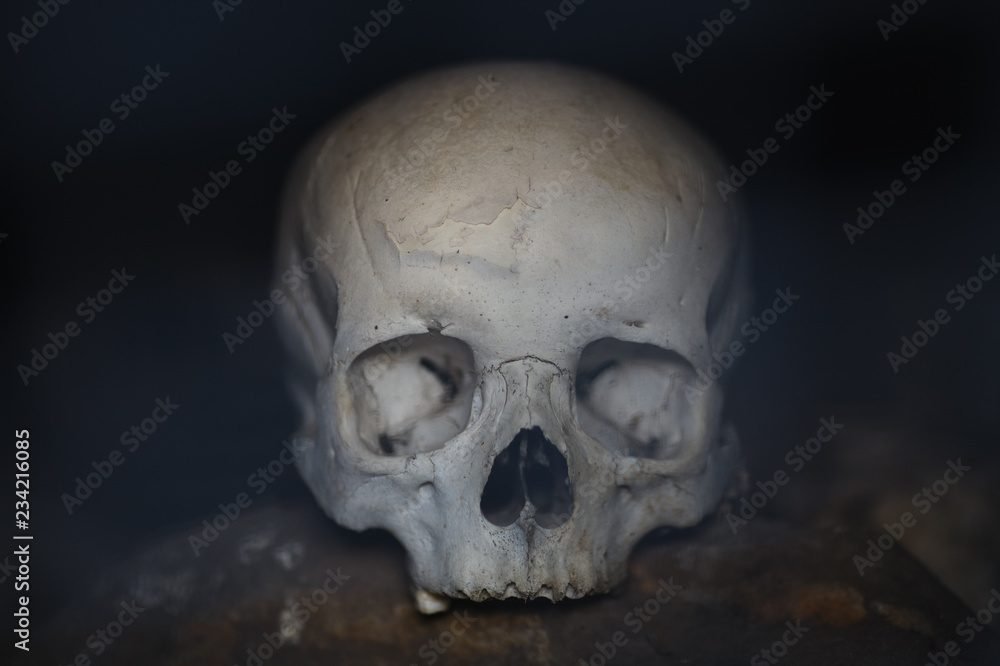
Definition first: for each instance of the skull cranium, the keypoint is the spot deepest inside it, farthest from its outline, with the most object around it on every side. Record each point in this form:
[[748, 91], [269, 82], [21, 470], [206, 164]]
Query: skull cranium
[[501, 361]]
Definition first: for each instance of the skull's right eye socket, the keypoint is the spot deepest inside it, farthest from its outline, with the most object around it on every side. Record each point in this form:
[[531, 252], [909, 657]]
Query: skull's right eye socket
[[413, 393]]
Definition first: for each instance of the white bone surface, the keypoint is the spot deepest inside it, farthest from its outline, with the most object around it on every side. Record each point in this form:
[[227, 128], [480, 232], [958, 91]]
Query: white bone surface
[[517, 247]]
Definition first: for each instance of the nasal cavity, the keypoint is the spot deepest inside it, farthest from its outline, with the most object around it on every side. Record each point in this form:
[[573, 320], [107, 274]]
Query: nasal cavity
[[529, 471]]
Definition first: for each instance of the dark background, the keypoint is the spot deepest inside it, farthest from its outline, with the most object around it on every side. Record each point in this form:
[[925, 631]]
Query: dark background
[[163, 335]]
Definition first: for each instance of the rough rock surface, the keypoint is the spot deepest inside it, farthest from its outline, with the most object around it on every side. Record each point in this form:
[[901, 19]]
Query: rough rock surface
[[730, 596]]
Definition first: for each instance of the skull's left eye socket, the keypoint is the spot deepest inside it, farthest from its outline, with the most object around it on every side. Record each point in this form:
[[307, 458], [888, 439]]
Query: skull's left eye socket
[[631, 398], [413, 393]]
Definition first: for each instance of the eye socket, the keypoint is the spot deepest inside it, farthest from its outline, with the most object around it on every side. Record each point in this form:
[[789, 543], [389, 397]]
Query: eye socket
[[413, 393], [630, 397]]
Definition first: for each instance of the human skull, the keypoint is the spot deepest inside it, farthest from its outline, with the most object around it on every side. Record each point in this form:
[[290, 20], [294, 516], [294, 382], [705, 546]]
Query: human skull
[[504, 358]]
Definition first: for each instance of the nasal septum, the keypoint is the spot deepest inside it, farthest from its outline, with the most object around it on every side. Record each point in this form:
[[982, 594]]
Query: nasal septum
[[529, 479]]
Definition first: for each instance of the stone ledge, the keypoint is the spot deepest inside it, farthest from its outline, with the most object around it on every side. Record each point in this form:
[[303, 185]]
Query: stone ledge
[[701, 596]]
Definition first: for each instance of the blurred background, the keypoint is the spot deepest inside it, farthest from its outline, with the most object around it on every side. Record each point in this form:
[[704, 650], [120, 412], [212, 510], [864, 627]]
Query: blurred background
[[226, 67]]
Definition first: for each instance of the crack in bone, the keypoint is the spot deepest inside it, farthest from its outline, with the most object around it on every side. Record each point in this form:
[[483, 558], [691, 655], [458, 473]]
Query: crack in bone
[[474, 238]]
